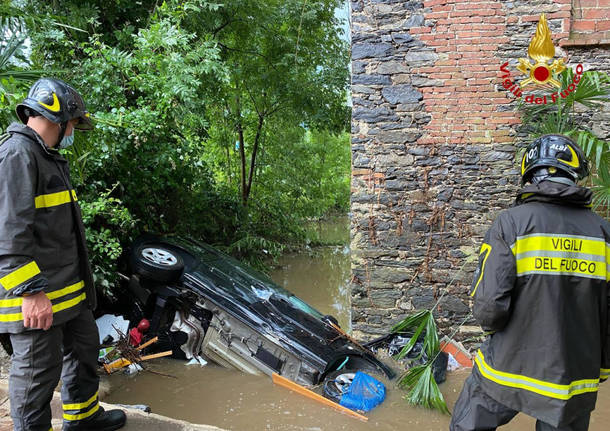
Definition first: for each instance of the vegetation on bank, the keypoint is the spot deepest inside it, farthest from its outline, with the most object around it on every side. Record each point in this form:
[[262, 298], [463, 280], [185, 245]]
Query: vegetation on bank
[[225, 122]]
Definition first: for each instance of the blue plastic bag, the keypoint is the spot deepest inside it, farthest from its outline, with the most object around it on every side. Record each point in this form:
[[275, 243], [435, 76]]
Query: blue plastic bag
[[365, 393]]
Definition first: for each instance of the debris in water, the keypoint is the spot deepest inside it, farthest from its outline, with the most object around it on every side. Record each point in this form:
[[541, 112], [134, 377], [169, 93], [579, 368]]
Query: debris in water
[[107, 326], [458, 351]]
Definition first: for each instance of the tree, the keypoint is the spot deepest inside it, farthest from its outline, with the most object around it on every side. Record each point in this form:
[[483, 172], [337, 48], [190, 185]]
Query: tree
[[284, 58], [172, 86]]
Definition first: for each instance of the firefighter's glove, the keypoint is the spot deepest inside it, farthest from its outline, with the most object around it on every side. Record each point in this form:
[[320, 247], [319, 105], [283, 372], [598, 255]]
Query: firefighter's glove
[[37, 311]]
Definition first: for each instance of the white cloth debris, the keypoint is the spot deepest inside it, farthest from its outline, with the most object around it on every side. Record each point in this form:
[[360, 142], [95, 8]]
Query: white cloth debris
[[197, 360], [105, 323], [133, 369], [452, 364]]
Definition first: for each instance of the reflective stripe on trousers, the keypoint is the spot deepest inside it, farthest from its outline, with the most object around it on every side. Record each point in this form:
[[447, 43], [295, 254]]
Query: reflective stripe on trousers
[[40, 358], [79, 411]]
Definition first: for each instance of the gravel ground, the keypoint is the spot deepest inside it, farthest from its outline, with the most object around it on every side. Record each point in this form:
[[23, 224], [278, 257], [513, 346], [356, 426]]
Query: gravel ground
[[5, 362]]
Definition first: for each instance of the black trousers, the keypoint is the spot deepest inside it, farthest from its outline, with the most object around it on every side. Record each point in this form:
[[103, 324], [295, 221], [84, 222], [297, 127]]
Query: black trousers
[[477, 411], [40, 358]]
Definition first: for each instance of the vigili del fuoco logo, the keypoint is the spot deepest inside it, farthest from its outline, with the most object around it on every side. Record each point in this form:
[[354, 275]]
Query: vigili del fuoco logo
[[539, 72]]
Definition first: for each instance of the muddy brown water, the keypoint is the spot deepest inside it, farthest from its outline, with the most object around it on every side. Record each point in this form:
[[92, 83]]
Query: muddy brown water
[[231, 400]]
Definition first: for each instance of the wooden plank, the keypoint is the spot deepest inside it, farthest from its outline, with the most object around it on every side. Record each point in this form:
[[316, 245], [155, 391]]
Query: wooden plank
[[289, 384]]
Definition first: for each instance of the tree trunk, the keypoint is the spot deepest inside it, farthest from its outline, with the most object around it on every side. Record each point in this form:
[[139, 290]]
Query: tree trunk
[[242, 155], [259, 128], [229, 163]]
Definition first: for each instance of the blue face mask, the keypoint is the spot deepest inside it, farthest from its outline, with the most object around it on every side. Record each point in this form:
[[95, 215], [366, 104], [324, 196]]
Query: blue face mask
[[66, 141]]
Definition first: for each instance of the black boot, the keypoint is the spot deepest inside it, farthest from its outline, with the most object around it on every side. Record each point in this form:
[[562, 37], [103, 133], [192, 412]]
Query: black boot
[[102, 421]]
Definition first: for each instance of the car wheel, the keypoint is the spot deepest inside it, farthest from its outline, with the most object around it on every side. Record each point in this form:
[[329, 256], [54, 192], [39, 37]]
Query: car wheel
[[157, 262]]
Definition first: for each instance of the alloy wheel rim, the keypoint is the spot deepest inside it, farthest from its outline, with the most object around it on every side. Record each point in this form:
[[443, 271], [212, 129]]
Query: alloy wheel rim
[[159, 256]]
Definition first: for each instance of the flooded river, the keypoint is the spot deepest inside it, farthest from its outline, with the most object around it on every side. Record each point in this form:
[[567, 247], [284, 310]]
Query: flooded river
[[232, 400]]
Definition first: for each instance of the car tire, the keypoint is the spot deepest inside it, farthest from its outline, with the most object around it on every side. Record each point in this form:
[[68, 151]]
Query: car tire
[[157, 262]]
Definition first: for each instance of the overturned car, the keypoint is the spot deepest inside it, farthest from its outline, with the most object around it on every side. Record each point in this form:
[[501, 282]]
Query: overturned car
[[200, 301]]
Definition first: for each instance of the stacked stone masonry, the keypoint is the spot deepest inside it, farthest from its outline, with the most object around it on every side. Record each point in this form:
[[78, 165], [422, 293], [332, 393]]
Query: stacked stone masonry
[[434, 141]]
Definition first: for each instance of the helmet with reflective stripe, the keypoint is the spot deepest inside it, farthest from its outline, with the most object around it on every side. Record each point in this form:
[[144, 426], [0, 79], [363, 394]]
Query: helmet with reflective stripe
[[556, 153], [57, 102]]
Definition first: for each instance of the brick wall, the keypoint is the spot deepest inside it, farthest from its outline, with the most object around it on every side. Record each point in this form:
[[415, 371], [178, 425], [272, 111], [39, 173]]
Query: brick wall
[[590, 16], [434, 138]]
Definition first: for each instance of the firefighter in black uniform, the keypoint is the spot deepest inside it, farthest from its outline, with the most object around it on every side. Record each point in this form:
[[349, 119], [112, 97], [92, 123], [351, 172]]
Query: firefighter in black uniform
[[47, 293], [541, 292]]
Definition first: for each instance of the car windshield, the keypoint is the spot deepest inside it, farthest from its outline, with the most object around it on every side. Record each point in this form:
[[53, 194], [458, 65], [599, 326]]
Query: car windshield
[[242, 281]]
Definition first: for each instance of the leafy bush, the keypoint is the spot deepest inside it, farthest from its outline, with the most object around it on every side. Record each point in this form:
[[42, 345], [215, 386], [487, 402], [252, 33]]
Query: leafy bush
[[108, 225]]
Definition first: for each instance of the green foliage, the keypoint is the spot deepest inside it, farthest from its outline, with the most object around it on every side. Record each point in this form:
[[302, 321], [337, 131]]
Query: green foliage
[[288, 73], [310, 177], [422, 388], [419, 380], [15, 73], [566, 117], [107, 224], [423, 323], [172, 86]]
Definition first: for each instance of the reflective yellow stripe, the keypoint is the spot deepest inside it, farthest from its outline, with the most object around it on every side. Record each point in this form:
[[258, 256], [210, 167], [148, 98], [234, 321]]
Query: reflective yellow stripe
[[16, 302], [66, 290], [484, 248], [572, 243], [81, 406], [551, 390], [562, 266], [20, 275], [604, 373], [14, 317], [54, 199], [576, 255], [69, 303], [81, 416], [13, 302]]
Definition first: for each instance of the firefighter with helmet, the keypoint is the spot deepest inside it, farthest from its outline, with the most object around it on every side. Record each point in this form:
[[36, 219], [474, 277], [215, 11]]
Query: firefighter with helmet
[[541, 294], [46, 288]]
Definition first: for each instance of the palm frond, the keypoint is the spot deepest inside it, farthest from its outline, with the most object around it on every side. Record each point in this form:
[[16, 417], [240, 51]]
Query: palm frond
[[419, 380], [601, 194], [409, 322], [592, 90], [596, 149], [420, 323], [422, 388], [552, 122], [9, 49], [27, 75]]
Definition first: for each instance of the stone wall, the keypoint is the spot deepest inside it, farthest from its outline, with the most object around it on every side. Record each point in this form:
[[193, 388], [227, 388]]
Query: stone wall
[[434, 139]]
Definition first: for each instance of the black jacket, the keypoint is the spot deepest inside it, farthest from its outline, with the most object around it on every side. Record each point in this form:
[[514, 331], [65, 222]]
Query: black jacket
[[42, 241], [542, 290]]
